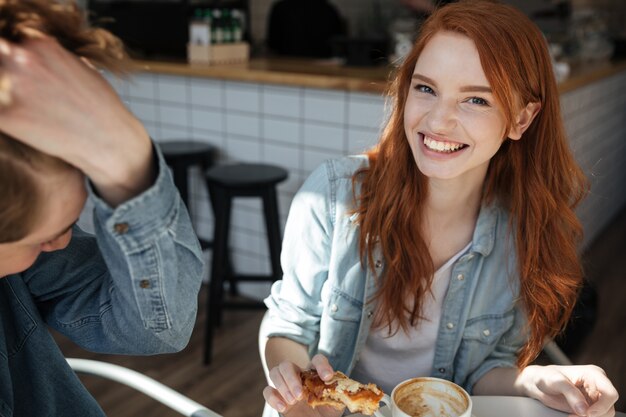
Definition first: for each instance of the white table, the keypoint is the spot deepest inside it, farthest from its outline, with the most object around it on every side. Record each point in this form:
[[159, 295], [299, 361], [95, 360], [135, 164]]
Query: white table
[[499, 406], [492, 406]]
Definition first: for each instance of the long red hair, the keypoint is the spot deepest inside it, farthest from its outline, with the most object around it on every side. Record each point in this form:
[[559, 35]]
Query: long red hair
[[535, 178]]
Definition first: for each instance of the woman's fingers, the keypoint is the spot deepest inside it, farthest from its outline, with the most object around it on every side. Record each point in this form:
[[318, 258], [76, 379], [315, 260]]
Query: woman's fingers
[[595, 386], [291, 376], [286, 379], [274, 399], [559, 384], [583, 390], [603, 395], [322, 366]]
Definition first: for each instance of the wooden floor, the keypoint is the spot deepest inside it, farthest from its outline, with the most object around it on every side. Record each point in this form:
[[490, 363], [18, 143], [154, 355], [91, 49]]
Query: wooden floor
[[233, 383]]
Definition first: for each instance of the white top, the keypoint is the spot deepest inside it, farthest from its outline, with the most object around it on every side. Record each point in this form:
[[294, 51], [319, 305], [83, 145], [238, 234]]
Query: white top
[[406, 355]]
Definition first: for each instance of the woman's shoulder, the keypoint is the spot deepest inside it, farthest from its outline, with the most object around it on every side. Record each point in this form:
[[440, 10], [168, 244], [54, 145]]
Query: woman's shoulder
[[345, 167], [333, 177]]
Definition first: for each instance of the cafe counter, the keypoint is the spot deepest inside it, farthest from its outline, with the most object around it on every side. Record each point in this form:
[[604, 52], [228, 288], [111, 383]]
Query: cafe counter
[[329, 74]]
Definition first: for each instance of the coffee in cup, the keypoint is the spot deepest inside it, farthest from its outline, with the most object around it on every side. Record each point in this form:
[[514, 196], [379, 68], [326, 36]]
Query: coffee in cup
[[428, 397]]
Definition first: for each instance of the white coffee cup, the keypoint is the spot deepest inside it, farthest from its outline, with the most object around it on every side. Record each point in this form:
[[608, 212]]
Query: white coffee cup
[[428, 397]]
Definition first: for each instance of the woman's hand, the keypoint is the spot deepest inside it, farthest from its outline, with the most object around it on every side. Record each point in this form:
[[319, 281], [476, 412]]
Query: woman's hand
[[286, 395], [62, 106], [582, 390]]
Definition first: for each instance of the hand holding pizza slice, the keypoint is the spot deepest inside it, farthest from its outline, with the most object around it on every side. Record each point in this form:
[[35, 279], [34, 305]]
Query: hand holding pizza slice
[[340, 392]]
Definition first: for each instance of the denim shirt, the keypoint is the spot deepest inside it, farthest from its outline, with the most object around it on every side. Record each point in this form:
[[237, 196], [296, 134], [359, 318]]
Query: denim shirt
[[322, 300], [131, 289]]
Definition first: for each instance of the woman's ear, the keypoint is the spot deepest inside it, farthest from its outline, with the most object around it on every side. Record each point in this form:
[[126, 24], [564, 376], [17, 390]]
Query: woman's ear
[[523, 120]]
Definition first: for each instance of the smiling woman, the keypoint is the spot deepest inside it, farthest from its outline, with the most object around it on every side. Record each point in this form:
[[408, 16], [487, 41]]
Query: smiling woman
[[449, 249]]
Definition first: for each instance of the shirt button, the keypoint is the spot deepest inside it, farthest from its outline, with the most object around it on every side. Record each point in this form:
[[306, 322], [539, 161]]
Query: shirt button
[[144, 283], [486, 332], [334, 308], [470, 256], [370, 314], [460, 277], [121, 228], [378, 263], [442, 370], [450, 325]]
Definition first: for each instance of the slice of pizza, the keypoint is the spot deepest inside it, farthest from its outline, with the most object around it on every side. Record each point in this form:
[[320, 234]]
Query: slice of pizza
[[341, 391]]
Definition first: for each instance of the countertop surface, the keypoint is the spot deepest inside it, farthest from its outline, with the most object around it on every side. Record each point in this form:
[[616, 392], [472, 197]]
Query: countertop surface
[[329, 74]]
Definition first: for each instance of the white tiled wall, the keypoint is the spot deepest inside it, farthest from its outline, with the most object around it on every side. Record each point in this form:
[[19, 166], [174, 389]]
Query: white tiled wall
[[295, 128], [298, 128], [595, 118]]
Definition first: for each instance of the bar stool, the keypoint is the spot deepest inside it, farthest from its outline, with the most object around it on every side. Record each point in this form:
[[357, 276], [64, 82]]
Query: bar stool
[[225, 183], [181, 155]]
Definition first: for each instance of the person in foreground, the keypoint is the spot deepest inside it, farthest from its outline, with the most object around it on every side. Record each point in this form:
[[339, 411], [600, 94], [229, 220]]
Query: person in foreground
[[449, 249], [65, 135]]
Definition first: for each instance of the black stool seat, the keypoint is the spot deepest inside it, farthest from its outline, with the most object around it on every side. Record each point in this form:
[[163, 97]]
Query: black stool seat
[[181, 155], [246, 175], [226, 182]]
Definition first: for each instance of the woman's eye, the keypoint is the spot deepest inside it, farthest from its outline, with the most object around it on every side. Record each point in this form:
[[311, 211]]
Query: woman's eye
[[479, 101], [424, 89]]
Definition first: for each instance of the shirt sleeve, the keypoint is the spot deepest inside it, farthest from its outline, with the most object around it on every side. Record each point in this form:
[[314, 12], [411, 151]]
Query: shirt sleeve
[[295, 303], [133, 287]]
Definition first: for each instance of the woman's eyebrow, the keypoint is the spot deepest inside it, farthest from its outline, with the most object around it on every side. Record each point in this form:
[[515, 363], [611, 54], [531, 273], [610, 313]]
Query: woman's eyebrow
[[464, 89], [476, 89], [424, 78]]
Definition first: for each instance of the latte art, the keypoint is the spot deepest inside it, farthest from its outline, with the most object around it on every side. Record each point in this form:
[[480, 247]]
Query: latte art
[[430, 400]]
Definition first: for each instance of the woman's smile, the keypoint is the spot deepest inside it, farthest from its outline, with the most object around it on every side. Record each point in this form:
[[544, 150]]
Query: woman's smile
[[441, 146]]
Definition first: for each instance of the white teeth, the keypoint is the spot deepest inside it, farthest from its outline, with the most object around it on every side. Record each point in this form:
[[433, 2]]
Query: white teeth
[[439, 146]]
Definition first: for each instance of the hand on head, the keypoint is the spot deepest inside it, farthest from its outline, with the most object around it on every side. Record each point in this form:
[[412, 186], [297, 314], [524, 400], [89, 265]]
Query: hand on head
[[65, 108], [286, 395], [582, 390]]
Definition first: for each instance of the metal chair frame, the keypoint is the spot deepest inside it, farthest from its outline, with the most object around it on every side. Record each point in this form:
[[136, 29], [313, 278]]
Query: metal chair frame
[[152, 388]]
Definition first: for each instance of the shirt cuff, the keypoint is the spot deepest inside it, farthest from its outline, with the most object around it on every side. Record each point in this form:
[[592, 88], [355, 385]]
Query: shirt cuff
[[136, 222]]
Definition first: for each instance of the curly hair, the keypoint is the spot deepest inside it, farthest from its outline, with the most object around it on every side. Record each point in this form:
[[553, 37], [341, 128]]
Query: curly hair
[[536, 178]]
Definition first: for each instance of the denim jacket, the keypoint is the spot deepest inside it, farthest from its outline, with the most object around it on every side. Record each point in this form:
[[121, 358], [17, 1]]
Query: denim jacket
[[131, 289], [322, 300]]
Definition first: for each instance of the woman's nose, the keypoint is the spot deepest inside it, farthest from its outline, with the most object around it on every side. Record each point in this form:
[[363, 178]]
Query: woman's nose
[[442, 117]]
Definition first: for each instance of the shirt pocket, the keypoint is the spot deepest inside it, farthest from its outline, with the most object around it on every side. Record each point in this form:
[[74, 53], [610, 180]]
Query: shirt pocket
[[342, 307], [481, 337], [15, 321], [339, 327]]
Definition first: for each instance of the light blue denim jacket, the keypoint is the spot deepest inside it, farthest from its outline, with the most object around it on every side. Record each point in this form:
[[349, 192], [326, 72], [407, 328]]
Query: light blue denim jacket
[[321, 302], [129, 290]]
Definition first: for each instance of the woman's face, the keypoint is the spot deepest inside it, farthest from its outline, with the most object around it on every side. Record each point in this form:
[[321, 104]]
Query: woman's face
[[63, 201], [451, 119]]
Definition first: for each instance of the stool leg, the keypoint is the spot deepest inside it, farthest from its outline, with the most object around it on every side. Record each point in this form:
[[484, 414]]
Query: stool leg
[[221, 211], [232, 281], [229, 272], [270, 209]]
